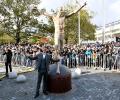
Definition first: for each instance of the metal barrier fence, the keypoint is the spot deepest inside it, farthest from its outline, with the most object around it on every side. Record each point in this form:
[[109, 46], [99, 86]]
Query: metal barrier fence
[[18, 60], [98, 60]]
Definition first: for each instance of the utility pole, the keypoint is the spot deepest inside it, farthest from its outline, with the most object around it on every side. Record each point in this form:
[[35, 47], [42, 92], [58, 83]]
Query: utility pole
[[103, 33], [79, 27], [78, 24]]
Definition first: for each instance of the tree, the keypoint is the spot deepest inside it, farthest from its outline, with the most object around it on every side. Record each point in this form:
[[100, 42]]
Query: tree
[[87, 28], [70, 29], [46, 28], [71, 26], [16, 16]]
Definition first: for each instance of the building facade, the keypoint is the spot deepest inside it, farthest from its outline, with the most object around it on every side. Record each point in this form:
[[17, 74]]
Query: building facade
[[111, 31]]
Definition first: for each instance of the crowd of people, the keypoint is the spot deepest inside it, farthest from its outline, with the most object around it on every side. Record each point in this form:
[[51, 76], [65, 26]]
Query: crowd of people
[[92, 55], [95, 55]]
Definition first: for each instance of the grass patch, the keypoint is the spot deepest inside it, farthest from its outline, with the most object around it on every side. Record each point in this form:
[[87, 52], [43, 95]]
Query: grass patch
[[26, 69], [1, 75], [1, 65]]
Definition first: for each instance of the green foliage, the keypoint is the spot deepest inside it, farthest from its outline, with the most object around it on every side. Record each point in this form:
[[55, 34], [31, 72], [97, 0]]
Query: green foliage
[[32, 40], [16, 16], [46, 28], [71, 26], [6, 39], [87, 28], [51, 41]]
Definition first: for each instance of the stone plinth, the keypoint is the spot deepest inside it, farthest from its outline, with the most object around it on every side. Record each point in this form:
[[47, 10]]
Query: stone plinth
[[59, 82]]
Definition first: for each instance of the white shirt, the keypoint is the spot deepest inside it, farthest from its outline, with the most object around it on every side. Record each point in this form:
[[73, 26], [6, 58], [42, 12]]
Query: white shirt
[[44, 55]]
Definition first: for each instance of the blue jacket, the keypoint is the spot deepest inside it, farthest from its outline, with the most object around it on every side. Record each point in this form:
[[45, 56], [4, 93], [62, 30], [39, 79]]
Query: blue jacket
[[88, 52]]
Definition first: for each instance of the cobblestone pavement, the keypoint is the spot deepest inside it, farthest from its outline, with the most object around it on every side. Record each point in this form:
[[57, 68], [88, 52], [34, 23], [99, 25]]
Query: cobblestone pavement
[[98, 85]]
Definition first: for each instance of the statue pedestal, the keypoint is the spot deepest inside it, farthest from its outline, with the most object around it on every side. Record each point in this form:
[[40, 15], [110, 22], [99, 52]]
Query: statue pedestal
[[59, 82]]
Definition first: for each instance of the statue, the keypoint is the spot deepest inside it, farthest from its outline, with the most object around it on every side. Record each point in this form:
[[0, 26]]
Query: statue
[[56, 56], [59, 19]]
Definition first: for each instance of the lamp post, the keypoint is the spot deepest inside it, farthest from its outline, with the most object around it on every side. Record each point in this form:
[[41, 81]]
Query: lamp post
[[70, 2], [78, 24], [103, 33], [79, 27]]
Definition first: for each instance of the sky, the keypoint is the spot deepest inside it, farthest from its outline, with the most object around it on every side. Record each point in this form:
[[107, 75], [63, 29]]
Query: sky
[[110, 11]]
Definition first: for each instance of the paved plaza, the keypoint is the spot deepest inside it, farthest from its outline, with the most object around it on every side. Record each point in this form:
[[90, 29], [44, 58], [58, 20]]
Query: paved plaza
[[92, 85]]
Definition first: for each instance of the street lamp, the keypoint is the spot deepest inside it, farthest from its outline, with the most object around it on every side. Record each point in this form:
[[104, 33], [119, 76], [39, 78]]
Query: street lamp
[[79, 27], [103, 33], [78, 24]]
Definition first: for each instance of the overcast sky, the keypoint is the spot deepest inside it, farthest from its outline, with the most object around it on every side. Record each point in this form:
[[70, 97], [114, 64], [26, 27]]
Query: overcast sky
[[112, 9]]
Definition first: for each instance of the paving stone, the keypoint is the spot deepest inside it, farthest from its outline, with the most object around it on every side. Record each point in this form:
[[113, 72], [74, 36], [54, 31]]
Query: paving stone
[[92, 85], [13, 98]]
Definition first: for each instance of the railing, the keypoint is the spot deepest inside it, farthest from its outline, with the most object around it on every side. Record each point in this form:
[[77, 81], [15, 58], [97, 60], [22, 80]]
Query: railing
[[18, 60], [89, 61], [98, 61]]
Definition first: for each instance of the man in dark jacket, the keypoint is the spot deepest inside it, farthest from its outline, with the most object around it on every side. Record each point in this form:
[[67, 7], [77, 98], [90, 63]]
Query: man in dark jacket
[[8, 58], [42, 63]]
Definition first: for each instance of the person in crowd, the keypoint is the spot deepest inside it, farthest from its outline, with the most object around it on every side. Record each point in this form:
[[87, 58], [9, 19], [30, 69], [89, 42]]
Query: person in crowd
[[69, 55], [94, 56], [8, 58], [74, 62], [88, 55]]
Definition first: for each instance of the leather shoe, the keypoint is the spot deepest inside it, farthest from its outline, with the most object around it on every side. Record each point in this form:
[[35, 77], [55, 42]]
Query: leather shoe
[[37, 95], [45, 93], [6, 75]]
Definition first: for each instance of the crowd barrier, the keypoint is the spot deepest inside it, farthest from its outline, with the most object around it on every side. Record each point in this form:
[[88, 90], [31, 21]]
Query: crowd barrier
[[98, 60], [18, 60]]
